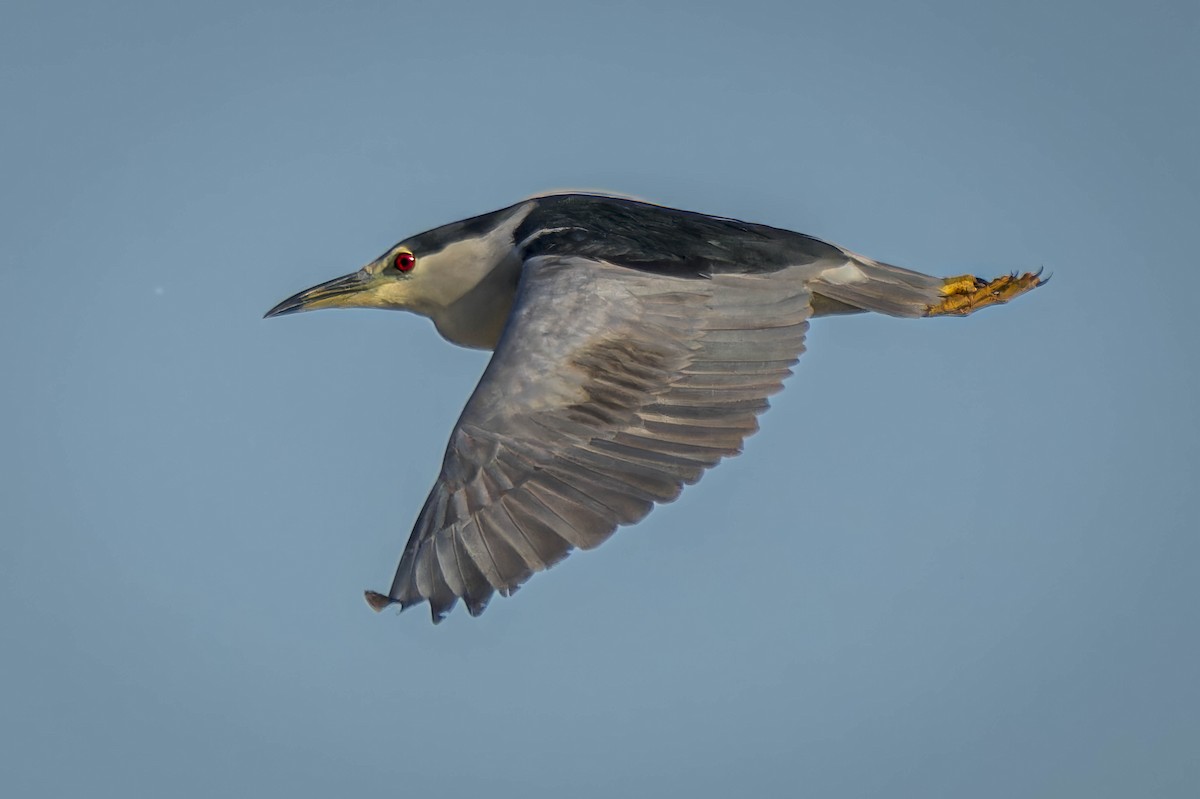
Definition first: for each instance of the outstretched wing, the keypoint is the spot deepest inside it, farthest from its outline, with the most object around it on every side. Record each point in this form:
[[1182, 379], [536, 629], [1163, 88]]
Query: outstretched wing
[[609, 390]]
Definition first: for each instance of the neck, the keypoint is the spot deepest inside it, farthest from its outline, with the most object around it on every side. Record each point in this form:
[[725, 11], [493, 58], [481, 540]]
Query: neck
[[476, 318]]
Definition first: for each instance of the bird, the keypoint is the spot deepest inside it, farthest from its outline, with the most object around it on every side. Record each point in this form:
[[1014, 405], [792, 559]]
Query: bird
[[634, 347]]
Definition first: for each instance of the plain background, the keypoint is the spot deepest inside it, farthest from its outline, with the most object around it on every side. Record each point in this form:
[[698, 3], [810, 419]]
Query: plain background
[[961, 559]]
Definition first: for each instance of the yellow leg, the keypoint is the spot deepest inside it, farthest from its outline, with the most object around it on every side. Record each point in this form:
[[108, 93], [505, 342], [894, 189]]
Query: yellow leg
[[966, 293]]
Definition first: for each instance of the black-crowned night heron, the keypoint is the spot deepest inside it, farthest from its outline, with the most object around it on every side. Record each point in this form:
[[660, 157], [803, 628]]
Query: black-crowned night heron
[[635, 345]]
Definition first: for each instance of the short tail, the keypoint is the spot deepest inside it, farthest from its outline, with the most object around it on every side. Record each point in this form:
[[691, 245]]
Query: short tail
[[867, 285]]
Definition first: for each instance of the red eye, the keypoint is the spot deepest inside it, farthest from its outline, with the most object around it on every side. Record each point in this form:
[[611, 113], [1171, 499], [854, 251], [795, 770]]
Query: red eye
[[405, 261]]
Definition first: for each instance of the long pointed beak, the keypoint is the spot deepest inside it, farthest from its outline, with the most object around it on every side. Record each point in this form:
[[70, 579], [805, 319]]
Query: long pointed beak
[[330, 294]]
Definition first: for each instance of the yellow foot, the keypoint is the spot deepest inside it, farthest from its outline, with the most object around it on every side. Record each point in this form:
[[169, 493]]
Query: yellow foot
[[967, 293], [963, 284]]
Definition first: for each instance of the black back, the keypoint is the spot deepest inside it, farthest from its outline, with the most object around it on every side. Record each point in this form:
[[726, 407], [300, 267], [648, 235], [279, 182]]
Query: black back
[[664, 240]]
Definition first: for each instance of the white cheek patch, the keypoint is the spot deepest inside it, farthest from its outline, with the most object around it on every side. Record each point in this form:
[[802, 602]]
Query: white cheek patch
[[844, 275]]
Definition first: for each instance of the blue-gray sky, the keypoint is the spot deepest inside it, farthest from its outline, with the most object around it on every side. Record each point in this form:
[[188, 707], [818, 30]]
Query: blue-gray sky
[[961, 559]]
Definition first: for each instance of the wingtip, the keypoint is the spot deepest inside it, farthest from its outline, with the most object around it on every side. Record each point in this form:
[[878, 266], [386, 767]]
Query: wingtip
[[378, 601]]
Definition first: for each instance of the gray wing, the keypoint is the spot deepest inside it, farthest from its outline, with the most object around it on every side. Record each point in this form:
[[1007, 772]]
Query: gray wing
[[609, 390]]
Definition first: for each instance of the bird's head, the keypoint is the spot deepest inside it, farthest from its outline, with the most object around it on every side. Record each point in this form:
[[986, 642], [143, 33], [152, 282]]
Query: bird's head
[[390, 281], [425, 273]]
